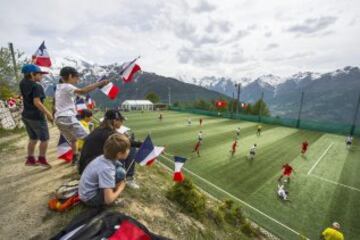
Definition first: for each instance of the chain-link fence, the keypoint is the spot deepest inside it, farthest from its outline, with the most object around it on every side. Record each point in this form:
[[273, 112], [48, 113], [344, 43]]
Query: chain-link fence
[[338, 128]]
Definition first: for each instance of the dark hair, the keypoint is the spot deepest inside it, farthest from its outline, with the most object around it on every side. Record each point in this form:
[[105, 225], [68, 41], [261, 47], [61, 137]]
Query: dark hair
[[27, 76], [116, 143], [85, 113], [109, 124], [65, 73]]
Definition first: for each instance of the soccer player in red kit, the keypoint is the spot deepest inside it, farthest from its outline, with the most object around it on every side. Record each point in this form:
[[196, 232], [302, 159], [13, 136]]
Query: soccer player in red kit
[[233, 148], [287, 170], [197, 148], [304, 147]]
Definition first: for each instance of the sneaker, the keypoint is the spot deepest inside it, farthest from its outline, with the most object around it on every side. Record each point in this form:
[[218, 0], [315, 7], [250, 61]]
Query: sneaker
[[43, 162], [30, 161], [132, 184]]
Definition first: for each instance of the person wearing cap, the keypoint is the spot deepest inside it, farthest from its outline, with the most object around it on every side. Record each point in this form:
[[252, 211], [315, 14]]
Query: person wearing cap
[[65, 109], [94, 143], [332, 233], [34, 114]]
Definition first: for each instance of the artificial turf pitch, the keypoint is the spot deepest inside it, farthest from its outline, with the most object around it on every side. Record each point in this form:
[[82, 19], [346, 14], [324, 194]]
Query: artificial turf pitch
[[324, 188]]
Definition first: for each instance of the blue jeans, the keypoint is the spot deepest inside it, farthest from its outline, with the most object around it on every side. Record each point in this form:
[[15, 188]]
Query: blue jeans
[[120, 172]]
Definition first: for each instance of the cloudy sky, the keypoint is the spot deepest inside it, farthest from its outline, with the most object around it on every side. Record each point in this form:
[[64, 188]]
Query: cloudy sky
[[192, 38]]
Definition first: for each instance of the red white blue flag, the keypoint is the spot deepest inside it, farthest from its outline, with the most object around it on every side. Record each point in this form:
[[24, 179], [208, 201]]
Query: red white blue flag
[[148, 153], [129, 71], [179, 163], [80, 104], [90, 103], [64, 150], [110, 89], [41, 56]]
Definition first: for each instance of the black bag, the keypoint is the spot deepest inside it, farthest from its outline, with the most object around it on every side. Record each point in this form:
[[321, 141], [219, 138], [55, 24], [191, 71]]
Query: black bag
[[96, 224]]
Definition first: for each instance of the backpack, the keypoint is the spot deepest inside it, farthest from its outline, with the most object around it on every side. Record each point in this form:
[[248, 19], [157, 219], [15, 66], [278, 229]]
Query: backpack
[[66, 196], [67, 190], [97, 224]]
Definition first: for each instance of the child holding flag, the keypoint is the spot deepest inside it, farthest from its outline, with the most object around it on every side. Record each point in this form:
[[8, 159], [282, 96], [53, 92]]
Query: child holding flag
[[65, 115]]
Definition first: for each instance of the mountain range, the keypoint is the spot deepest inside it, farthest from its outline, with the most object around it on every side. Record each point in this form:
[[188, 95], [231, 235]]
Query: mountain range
[[330, 97]]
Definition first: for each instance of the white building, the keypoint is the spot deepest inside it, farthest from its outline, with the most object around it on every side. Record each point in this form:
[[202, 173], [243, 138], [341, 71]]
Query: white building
[[133, 105]]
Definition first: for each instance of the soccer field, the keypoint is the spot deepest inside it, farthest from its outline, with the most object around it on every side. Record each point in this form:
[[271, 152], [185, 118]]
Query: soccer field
[[324, 188]]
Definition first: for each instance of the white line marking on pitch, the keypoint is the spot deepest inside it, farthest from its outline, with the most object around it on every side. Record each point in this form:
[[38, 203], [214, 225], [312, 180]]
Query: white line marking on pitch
[[317, 162], [336, 183], [241, 201]]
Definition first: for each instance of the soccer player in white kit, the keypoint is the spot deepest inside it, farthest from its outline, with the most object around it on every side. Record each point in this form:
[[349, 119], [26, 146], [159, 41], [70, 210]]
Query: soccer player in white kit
[[282, 193], [348, 141]]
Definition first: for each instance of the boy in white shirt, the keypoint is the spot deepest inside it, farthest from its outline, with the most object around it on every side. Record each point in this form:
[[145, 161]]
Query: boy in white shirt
[[65, 109]]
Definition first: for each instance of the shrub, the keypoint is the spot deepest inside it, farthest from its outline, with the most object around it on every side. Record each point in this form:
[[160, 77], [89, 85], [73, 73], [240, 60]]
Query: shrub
[[217, 216], [189, 199]]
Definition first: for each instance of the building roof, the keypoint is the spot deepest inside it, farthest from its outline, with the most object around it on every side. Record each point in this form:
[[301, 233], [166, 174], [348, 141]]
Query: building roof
[[137, 102]]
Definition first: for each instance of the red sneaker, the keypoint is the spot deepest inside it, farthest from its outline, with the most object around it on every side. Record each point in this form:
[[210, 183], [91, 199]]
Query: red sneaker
[[43, 162], [30, 161]]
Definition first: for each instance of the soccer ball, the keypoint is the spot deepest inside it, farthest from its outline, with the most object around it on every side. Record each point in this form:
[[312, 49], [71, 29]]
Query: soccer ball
[[285, 180]]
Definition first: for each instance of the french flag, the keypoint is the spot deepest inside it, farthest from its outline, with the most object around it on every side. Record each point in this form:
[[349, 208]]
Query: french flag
[[80, 104], [129, 71], [179, 163], [64, 150], [110, 89], [90, 103], [41, 56], [148, 153]]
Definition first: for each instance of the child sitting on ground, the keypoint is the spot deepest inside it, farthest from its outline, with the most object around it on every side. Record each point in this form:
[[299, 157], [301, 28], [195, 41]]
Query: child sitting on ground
[[103, 179]]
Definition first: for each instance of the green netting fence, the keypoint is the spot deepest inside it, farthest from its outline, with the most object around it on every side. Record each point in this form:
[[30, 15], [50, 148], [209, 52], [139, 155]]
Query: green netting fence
[[337, 128]]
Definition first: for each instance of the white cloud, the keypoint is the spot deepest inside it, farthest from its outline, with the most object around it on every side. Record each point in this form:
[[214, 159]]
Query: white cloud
[[204, 37]]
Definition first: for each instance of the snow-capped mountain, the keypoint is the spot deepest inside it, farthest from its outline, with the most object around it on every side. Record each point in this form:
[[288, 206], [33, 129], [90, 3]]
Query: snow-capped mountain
[[329, 96]]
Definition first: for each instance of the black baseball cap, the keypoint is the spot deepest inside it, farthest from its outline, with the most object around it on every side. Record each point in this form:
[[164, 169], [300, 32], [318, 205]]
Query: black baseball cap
[[114, 115], [66, 71]]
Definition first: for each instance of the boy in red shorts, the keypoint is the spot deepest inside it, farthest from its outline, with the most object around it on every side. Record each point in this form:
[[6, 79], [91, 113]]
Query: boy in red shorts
[[197, 148], [304, 147], [287, 171], [233, 148]]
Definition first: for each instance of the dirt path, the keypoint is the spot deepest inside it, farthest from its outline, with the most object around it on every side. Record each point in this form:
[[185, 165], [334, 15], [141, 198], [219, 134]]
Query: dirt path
[[25, 190]]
